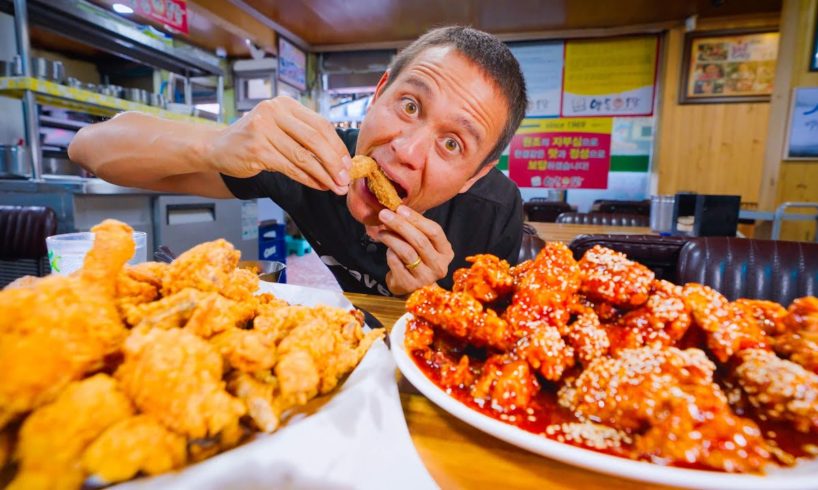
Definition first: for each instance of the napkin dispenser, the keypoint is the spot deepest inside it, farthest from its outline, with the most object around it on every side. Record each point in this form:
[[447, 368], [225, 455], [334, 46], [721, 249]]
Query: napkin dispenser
[[705, 214]]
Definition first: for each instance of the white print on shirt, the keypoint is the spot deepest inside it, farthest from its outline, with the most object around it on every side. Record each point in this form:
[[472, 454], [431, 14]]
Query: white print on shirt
[[366, 279]]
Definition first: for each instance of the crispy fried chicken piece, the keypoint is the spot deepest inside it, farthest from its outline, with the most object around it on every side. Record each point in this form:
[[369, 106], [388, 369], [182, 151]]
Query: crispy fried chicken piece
[[462, 316], [611, 277], [803, 314], [419, 335], [279, 321], [545, 290], [138, 284], [57, 329], [799, 347], [317, 354], [588, 338], [241, 286], [663, 319], [6, 447], [729, 329], [149, 272], [257, 396], [176, 377], [169, 312], [52, 439], [779, 389], [726, 442], [635, 390], [380, 185], [769, 315], [546, 351], [487, 280], [130, 292], [590, 435], [651, 392], [246, 350], [133, 445], [362, 166], [207, 267], [519, 271], [506, 384], [216, 314], [204, 314]]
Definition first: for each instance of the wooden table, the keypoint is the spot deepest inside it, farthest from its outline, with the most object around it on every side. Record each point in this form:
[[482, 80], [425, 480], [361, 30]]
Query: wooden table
[[565, 232], [459, 456]]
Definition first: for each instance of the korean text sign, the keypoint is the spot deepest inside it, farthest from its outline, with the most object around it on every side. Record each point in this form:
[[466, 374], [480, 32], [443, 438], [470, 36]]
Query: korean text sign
[[572, 153]]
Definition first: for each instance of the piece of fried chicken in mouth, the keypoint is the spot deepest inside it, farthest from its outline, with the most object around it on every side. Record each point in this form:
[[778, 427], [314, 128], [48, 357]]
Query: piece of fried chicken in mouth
[[364, 167]]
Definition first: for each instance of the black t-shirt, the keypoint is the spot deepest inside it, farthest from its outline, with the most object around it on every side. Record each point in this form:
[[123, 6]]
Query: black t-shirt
[[488, 218]]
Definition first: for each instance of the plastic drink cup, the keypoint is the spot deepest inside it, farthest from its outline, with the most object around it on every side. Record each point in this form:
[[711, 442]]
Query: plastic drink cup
[[66, 252]]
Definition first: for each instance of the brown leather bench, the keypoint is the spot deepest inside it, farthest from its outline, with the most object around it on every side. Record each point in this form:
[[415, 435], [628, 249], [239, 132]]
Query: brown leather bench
[[605, 219], [626, 207], [776, 270], [538, 209], [23, 230], [736, 267]]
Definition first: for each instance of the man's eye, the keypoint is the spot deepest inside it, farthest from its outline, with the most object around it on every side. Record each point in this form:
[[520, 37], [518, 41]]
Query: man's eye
[[451, 145], [410, 107]]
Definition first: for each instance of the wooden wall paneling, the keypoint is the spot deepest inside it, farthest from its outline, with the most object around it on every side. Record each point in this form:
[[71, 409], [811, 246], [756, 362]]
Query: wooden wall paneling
[[709, 148], [790, 180]]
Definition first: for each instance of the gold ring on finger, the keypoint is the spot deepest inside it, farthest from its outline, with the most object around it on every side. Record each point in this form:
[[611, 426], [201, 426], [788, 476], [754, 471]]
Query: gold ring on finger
[[413, 264]]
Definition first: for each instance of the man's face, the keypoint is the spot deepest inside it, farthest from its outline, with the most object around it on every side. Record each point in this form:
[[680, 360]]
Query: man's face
[[429, 131]]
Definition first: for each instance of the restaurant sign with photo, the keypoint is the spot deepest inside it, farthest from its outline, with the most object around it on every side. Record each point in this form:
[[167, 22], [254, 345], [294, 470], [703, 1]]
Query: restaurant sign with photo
[[728, 66], [570, 153]]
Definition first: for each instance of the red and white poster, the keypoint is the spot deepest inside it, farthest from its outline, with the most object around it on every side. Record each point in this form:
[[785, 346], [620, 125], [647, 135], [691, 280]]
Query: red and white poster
[[573, 153], [172, 13]]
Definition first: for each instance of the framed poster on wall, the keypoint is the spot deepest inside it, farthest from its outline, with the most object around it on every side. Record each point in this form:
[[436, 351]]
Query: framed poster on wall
[[292, 64], [802, 130], [728, 66]]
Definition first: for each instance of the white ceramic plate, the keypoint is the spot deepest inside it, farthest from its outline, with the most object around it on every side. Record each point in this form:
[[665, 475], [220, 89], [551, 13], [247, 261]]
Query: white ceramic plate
[[804, 475]]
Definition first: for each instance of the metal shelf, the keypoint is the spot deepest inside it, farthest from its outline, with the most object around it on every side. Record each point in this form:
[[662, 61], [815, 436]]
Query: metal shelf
[[81, 100], [53, 122], [96, 26]]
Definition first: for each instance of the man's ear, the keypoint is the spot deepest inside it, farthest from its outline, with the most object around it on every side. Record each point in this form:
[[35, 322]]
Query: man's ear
[[479, 175], [381, 85]]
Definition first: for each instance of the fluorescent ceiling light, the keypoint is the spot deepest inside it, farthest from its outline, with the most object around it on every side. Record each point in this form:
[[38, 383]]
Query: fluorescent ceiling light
[[121, 8]]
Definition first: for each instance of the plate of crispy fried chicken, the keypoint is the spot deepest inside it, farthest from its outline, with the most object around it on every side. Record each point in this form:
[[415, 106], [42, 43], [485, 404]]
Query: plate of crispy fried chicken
[[598, 364], [192, 374]]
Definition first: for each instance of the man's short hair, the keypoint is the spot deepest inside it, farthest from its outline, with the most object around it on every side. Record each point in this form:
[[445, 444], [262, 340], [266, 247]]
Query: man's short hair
[[492, 56]]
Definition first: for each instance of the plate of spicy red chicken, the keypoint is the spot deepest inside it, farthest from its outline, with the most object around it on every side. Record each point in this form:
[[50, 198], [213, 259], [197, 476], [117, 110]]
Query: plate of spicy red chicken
[[597, 363]]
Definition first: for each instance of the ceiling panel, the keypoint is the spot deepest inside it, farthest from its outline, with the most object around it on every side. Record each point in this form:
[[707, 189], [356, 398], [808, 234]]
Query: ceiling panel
[[332, 22]]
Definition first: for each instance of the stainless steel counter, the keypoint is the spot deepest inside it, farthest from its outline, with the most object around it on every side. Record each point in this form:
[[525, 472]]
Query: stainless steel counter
[[178, 221], [71, 185]]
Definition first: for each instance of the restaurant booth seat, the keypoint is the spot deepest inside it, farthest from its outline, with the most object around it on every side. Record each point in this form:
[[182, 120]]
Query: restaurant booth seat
[[544, 211], [531, 244], [23, 230], [774, 270], [627, 207], [604, 219]]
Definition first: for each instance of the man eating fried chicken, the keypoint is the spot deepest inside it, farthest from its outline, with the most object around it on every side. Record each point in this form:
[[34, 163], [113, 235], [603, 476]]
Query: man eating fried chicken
[[440, 117]]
